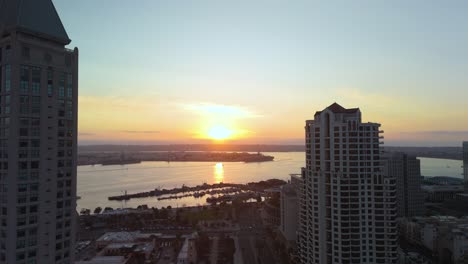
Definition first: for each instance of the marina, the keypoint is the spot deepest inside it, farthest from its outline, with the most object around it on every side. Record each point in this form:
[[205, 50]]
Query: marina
[[97, 183]]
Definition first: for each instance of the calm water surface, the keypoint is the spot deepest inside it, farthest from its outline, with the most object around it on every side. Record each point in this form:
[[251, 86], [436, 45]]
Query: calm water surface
[[96, 183]]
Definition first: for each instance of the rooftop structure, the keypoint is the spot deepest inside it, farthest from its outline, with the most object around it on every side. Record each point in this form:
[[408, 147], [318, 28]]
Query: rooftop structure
[[440, 193], [105, 260]]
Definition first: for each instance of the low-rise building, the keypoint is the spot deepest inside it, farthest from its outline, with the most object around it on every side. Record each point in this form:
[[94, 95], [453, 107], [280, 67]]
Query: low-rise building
[[445, 237], [441, 193], [125, 237], [412, 258], [108, 260], [143, 250]]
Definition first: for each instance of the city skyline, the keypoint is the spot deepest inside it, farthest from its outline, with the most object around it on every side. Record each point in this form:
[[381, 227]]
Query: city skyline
[[194, 72]]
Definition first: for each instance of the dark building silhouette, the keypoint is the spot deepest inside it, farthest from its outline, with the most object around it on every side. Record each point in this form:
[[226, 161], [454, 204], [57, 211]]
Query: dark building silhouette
[[407, 172], [38, 134]]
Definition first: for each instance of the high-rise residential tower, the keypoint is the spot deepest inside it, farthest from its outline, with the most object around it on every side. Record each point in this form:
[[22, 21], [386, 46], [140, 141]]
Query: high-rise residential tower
[[38, 134], [407, 172], [348, 207], [465, 163]]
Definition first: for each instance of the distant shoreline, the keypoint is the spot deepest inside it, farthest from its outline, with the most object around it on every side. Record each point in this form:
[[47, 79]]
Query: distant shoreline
[[449, 153], [123, 158]]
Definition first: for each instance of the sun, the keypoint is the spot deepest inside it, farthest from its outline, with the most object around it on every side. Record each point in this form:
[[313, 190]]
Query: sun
[[219, 133]]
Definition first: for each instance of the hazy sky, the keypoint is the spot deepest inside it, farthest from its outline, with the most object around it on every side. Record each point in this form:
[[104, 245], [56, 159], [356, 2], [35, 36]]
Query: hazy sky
[[169, 71]]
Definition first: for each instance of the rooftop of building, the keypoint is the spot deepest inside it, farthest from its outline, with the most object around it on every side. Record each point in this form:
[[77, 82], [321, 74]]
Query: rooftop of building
[[104, 260], [442, 188], [289, 190], [439, 219], [121, 245], [338, 109], [34, 17], [125, 236], [442, 180], [135, 247]]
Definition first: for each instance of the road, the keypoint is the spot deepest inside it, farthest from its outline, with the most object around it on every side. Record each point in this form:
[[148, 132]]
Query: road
[[252, 236]]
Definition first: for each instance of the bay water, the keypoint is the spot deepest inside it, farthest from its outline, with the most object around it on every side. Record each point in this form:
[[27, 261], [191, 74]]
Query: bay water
[[96, 183]]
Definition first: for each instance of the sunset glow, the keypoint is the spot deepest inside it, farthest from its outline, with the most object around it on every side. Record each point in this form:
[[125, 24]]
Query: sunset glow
[[231, 64], [219, 133]]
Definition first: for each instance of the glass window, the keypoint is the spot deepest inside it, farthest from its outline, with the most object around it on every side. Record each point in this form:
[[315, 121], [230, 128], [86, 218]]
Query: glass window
[[36, 88], [7, 78], [50, 90], [24, 79], [36, 80], [61, 92]]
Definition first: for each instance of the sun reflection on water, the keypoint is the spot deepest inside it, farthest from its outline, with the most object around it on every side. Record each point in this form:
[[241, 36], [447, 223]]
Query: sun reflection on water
[[219, 172]]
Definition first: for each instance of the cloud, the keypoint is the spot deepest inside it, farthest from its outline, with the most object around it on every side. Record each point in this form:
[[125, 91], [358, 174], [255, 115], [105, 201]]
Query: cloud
[[438, 132], [223, 110], [360, 97], [140, 132], [84, 134]]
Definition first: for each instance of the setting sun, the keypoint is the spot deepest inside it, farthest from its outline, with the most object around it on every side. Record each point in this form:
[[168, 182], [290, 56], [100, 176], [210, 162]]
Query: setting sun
[[219, 133]]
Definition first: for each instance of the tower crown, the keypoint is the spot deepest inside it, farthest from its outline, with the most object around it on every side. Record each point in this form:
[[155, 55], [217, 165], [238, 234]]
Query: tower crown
[[33, 17]]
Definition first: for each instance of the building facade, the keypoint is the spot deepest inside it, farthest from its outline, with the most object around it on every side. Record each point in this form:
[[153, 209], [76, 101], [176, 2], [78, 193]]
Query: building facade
[[348, 207], [407, 172], [38, 134], [465, 164], [289, 206]]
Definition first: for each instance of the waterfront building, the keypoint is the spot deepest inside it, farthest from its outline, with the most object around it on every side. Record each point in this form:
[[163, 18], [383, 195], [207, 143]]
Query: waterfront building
[[407, 172], [348, 207], [38, 134]]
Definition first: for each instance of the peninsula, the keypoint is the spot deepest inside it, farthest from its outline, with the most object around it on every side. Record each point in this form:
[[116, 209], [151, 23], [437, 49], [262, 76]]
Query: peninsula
[[120, 158]]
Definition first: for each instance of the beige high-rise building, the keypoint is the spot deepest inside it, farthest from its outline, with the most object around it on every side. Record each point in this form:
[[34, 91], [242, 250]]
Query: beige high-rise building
[[38, 135], [348, 205]]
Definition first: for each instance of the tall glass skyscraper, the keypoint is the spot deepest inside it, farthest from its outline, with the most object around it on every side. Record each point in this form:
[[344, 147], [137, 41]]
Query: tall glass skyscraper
[[38, 134]]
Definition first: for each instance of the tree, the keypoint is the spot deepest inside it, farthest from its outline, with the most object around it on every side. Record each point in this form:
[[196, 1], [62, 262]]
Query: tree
[[155, 213], [97, 210]]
